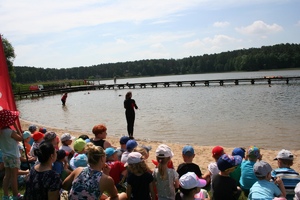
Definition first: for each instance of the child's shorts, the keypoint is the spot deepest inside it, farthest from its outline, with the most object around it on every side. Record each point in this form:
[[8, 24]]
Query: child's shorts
[[11, 162]]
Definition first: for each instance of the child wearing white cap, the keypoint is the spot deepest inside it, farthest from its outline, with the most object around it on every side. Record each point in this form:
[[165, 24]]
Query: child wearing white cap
[[166, 179], [139, 180], [289, 176], [190, 187], [66, 140]]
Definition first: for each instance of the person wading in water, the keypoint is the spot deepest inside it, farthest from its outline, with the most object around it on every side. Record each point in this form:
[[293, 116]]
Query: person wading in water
[[130, 105]]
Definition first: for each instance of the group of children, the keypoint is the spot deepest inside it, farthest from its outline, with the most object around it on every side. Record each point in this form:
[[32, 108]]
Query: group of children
[[226, 178]]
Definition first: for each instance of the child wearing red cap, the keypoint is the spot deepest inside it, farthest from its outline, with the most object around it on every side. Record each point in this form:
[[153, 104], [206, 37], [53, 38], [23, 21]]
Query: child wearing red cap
[[213, 169], [38, 138], [10, 151]]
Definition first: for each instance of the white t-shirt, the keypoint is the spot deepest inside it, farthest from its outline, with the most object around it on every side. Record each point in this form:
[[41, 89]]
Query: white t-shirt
[[9, 146]]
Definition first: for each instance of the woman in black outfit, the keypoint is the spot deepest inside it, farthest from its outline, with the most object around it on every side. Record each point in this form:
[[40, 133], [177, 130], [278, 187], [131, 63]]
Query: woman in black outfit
[[129, 105]]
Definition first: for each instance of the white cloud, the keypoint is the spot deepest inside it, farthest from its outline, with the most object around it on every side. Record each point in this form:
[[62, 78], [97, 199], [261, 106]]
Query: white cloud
[[259, 28], [221, 24]]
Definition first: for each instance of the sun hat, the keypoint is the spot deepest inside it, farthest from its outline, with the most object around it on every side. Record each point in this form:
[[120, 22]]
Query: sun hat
[[37, 136], [131, 144], [26, 134], [66, 136], [239, 151], [254, 151], [190, 180], [217, 151], [228, 161], [188, 150], [285, 155], [124, 139], [79, 145], [261, 169], [164, 151], [61, 154], [7, 117], [42, 130], [109, 151], [49, 136], [133, 158], [81, 160], [32, 128]]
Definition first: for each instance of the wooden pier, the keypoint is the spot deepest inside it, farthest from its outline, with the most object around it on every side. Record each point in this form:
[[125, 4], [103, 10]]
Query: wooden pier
[[193, 83]]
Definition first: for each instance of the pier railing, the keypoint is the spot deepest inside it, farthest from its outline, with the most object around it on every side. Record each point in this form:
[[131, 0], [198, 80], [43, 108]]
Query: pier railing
[[193, 83]]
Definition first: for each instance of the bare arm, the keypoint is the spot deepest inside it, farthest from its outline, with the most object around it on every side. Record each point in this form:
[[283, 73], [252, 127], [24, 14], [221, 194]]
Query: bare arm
[[107, 185], [279, 182], [151, 188], [67, 184], [128, 191], [106, 144], [16, 136]]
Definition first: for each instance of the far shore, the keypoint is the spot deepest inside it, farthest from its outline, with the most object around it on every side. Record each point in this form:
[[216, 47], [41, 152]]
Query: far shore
[[202, 157]]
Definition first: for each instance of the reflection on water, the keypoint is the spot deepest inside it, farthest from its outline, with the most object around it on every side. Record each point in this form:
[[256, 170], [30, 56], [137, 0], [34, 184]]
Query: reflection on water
[[230, 115]]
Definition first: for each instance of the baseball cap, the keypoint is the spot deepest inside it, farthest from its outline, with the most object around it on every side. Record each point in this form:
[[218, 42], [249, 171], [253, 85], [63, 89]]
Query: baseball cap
[[49, 136], [254, 151], [239, 151], [190, 180], [164, 151], [37, 136], [80, 160], [26, 134], [79, 145], [284, 154], [228, 161], [217, 151], [133, 158], [7, 117], [131, 144], [43, 130], [188, 150], [32, 128], [261, 169], [124, 139], [147, 148], [61, 154], [66, 137], [109, 151]]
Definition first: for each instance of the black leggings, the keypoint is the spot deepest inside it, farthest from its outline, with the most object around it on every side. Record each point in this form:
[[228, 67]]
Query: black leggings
[[130, 116]]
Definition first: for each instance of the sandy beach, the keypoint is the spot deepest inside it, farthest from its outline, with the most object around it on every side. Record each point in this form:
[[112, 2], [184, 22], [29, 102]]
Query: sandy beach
[[202, 157]]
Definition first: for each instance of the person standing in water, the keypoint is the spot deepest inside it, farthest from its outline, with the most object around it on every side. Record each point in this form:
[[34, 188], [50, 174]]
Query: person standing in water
[[64, 98], [130, 105]]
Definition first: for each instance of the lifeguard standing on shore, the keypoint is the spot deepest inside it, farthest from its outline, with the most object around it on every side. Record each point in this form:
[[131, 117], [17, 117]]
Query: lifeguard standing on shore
[[64, 99], [130, 105]]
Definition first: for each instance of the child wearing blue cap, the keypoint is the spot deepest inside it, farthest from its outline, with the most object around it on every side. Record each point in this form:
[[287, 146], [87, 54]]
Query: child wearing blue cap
[[225, 187], [188, 155], [236, 174], [117, 169]]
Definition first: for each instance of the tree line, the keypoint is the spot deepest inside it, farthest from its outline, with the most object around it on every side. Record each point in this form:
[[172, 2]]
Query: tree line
[[279, 56]]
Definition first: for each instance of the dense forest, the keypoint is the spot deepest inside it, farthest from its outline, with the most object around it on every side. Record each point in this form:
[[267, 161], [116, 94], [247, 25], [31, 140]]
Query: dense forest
[[278, 56]]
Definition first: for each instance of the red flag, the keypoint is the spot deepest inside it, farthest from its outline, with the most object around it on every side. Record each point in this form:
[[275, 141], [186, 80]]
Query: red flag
[[7, 99]]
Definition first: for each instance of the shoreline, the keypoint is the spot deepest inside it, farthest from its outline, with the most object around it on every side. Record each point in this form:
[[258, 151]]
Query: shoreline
[[202, 153]]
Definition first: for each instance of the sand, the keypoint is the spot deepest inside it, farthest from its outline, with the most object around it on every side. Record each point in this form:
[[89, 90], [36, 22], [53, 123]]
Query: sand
[[202, 157]]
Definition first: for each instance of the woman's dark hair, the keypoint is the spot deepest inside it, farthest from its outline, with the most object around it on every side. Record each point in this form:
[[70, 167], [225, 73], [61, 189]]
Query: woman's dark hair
[[44, 151], [128, 95]]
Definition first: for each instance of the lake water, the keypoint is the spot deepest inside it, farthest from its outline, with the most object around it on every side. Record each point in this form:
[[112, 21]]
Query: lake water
[[229, 115]]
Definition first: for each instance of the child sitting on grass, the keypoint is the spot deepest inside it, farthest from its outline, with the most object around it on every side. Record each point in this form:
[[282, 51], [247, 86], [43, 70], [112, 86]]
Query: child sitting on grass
[[66, 140], [263, 188], [60, 165], [79, 147]]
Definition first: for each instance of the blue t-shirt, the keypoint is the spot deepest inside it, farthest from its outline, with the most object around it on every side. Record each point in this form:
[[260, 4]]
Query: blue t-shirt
[[58, 166], [263, 190], [248, 177]]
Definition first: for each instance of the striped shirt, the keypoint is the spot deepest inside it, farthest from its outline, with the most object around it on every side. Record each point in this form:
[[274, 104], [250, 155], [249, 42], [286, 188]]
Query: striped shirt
[[290, 179]]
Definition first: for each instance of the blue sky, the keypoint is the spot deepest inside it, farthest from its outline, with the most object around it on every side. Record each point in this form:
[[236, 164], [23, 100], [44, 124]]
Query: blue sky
[[65, 33]]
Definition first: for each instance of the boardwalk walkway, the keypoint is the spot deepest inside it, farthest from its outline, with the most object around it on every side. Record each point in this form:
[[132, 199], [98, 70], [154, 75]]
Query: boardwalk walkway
[[193, 83]]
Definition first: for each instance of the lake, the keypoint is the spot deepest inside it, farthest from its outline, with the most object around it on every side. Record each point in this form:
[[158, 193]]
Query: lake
[[229, 115]]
